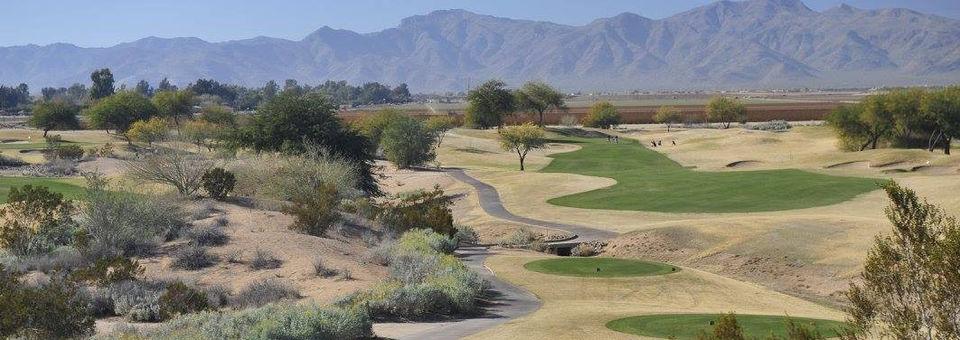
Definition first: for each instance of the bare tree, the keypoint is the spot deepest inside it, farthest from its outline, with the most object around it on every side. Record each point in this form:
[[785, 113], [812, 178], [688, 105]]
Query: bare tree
[[180, 169]]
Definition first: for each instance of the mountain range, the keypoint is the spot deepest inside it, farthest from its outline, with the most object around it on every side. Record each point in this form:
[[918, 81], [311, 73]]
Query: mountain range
[[747, 44]]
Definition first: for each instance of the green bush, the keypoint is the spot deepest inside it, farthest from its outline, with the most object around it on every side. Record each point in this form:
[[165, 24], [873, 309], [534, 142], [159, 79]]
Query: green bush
[[35, 221], [181, 299], [218, 183], [424, 282], [106, 271], [602, 115], [407, 143], [72, 152], [419, 209], [309, 321], [316, 211], [53, 310]]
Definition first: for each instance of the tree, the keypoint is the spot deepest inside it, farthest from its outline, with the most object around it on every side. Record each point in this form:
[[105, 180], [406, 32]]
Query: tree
[[538, 97], [120, 110], [373, 125], [521, 139], [200, 132], [270, 90], [439, 125], [102, 84], [667, 115], [174, 104], [144, 89], [148, 131], [165, 85], [488, 104], [400, 94], [219, 115], [602, 115], [943, 109], [54, 115], [724, 110], [406, 142], [910, 284], [180, 169], [13, 97], [845, 120], [290, 121]]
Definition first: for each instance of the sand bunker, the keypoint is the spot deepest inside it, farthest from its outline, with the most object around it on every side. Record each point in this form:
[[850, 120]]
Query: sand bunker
[[742, 164]]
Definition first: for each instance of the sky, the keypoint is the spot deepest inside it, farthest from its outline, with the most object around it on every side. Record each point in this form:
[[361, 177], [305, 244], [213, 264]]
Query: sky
[[100, 23]]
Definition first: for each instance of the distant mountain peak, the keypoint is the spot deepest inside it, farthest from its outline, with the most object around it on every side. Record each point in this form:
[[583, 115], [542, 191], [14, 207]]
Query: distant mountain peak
[[726, 44]]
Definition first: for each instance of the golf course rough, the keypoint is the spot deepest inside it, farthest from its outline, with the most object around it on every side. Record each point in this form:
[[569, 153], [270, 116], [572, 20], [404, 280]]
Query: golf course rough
[[689, 326], [599, 267], [650, 181], [71, 188]]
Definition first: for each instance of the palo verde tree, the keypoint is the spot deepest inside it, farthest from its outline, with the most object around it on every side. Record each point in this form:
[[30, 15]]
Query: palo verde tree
[[290, 121], [119, 111], [538, 97], [602, 115], [725, 111], [488, 104], [667, 115], [521, 139], [942, 109], [57, 114], [174, 105], [406, 142], [102, 84], [910, 285], [439, 125]]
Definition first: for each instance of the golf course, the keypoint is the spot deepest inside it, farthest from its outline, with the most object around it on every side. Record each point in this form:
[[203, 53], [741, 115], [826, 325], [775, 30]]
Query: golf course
[[599, 267], [649, 181], [69, 187], [690, 326]]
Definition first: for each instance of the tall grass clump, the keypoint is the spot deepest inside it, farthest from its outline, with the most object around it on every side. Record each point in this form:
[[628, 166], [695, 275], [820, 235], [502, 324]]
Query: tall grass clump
[[264, 292], [124, 224], [425, 281]]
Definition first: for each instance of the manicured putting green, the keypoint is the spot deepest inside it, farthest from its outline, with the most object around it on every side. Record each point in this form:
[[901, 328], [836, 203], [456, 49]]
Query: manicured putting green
[[608, 267], [649, 181], [69, 187], [689, 326]]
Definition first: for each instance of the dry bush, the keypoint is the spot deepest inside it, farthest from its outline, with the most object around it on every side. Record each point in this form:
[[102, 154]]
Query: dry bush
[[264, 292], [264, 259], [193, 257], [182, 170]]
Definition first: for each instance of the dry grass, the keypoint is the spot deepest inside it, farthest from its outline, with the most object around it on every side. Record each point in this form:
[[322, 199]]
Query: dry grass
[[578, 308]]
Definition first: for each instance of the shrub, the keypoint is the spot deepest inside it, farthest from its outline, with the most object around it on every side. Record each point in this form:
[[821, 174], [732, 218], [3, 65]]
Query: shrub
[[217, 296], [208, 236], [136, 300], [11, 162], [379, 254], [773, 125], [426, 241], [583, 249], [264, 259], [362, 206], [193, 257], [309, 321], [235, 256], [56, 167], [322, 270], [63, 258], [182, 170], [407, 143], [466, 234], [204, 210], [56, 309], [72, 152], [519, 238], [35, 221], [316, 211], [106, 271], [423, 282], [602, 115], [283, 177], [181, 299], [218, 183], [264, 292], [345, 275], [538, 246], [124, 224], [419, 209], [148, 131]]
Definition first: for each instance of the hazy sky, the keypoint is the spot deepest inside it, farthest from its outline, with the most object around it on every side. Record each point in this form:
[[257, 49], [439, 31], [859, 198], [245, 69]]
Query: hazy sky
[[95, 23]]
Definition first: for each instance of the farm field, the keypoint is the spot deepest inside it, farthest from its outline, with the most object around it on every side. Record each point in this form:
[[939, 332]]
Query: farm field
[[647, 180]]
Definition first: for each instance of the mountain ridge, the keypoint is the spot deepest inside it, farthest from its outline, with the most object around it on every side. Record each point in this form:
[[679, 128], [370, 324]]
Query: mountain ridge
[[725, 44]]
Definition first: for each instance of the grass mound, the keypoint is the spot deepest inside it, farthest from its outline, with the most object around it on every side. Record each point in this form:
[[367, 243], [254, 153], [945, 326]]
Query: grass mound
[[649, 181], [599, 267], [689, 326]]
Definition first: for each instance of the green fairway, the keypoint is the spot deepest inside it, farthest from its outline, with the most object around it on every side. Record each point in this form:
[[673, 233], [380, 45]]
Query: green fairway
[[688, 326], [649, 181], [69, 187], [608, 267]]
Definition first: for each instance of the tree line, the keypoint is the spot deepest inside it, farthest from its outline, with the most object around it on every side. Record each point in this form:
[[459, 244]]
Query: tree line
[[909, 118]]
